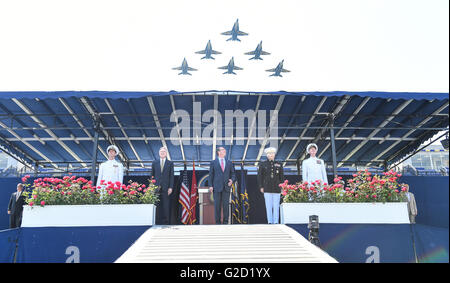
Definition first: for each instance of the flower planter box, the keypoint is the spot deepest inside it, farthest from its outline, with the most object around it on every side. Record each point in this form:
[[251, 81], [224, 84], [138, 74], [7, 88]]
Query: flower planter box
[[371, 213], [89, 215]]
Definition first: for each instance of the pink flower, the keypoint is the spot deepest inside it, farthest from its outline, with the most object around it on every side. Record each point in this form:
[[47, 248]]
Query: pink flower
[[118, 183], [34, 196], [42, 203], [24, 180], [31, 203], [284, 193], [153, 181]]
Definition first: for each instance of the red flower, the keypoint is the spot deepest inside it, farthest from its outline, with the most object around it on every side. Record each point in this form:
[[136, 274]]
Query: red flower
[[42, 203]]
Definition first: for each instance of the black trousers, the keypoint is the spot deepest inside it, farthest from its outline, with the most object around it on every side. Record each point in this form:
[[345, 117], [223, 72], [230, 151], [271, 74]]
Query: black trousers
[[163, 209], [15, 220], [221, 201]]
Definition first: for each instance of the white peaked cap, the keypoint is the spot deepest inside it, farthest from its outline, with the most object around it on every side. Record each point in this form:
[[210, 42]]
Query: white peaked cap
[[311, 144], [114, 148], [270, 150]]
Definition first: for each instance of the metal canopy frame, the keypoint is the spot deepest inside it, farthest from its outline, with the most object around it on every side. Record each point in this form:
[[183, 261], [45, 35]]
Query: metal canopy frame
[[343, 127]]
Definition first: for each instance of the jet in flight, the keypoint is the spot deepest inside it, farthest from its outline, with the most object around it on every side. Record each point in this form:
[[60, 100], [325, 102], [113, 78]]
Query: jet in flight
[[230, 67], [258, 52], [234, 32], [184, 68], [208, 51], [278, 70]]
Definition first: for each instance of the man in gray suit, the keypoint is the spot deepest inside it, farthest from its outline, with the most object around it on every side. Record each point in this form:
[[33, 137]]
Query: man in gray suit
[[163, 172], [15, 207]]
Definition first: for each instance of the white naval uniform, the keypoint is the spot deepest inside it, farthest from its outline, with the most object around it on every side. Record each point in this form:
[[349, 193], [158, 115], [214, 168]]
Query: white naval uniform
[[110, 170], [313, 169]]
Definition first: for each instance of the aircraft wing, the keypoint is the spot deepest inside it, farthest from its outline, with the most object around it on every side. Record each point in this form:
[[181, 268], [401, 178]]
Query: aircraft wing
[[201, 52], [226, 33], [238, 68], [265, 53], [191, 69], [176, 68], [215, 52], [250, 53], [271, 70], [285, 71], [223, 68], [242, 33]]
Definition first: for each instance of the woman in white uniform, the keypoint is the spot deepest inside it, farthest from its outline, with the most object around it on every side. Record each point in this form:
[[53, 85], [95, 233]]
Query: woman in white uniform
[[313, 168], [110, 170]]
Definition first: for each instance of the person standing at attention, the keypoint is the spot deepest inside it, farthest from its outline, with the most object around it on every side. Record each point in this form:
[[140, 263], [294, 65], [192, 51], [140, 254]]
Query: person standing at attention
[[15, 207], [110, 170], [163, 172], [221, 177], [270, 176]]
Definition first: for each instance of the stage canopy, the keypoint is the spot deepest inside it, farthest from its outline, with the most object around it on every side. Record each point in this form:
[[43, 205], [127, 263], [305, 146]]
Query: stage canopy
[[55, 129]]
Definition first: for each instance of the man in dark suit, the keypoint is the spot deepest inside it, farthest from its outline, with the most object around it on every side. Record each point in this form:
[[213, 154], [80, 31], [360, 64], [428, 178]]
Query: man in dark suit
[[15, 207], [221, 176], [163, 173]]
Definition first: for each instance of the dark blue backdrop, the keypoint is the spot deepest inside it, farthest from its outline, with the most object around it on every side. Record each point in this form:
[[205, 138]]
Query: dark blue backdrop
[[347, 243]]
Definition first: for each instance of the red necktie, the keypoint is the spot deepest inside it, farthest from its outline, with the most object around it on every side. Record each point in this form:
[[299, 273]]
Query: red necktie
[[221, 165]]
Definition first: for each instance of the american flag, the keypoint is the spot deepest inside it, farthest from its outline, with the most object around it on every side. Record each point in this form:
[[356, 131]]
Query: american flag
[[185, 199]]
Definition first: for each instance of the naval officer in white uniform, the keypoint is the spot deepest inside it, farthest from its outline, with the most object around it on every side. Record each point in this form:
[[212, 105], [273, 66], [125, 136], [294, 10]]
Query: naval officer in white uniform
[[110, 170], [313, 168]]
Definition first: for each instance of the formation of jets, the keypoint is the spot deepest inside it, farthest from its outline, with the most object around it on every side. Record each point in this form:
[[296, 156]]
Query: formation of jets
[[231, 67]]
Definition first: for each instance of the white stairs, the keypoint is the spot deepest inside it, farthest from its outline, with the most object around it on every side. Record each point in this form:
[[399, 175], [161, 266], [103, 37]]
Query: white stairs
[[223, 243]]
